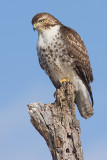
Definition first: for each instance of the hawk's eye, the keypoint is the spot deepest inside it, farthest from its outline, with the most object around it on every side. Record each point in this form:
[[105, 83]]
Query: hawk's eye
[[41, 20]]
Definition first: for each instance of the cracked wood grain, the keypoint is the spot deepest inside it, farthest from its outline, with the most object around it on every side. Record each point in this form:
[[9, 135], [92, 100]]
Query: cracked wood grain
[[57, 123]]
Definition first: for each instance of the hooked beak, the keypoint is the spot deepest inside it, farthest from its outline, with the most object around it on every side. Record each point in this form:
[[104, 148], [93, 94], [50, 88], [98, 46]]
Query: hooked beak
[[34, 26]]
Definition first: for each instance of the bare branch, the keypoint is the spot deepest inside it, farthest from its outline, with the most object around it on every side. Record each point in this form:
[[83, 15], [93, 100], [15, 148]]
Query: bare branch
[[57, 123]]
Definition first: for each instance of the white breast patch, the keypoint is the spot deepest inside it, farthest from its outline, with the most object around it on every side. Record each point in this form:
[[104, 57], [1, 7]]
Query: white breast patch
[[47, 37]]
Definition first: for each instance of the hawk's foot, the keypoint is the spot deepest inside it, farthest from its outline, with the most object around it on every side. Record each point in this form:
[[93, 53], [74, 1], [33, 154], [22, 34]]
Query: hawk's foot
[[64, 80]]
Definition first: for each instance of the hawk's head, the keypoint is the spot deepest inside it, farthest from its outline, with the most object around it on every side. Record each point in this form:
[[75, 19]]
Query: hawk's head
[[43, 21]]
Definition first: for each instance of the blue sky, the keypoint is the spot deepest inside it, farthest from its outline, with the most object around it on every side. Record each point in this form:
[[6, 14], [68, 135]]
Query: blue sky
[[22, 81]]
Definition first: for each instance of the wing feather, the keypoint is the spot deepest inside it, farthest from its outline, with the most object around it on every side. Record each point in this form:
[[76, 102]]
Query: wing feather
[[77, 50]]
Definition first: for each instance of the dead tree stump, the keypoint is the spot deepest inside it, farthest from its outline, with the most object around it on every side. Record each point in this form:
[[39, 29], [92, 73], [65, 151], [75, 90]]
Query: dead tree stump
[[57, 123]]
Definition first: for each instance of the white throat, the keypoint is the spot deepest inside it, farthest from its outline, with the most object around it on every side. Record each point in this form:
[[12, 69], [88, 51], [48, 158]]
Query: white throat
[[48, 35]]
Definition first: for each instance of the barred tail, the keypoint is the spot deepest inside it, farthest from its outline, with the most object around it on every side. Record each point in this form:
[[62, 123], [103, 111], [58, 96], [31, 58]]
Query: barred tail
[[83, 102]]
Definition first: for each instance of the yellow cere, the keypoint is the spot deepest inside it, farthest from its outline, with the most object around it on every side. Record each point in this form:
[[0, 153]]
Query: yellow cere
[[34, 24]]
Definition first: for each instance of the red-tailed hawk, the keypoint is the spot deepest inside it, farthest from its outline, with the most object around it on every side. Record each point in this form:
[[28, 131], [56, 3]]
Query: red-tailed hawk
[[63, 56]]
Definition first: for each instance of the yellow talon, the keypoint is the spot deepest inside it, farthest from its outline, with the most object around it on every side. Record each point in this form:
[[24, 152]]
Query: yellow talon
[[64, 80]]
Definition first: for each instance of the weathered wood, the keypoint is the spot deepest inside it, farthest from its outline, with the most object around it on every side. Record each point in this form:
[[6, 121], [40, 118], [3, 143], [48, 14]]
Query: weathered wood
[[57, 123]]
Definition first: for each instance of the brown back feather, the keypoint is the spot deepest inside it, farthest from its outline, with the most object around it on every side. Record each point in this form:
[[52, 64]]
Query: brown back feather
[[77, 50]]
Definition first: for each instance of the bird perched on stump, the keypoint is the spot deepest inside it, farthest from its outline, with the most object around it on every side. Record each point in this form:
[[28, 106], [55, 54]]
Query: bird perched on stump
[[63, 56]]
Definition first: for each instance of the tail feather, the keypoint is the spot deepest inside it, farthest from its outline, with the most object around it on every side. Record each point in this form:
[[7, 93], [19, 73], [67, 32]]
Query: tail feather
[[83, 103]]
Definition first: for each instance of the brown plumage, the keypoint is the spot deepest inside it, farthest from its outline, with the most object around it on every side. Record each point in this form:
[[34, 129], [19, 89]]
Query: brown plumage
[[77, 51], [62, 54]]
